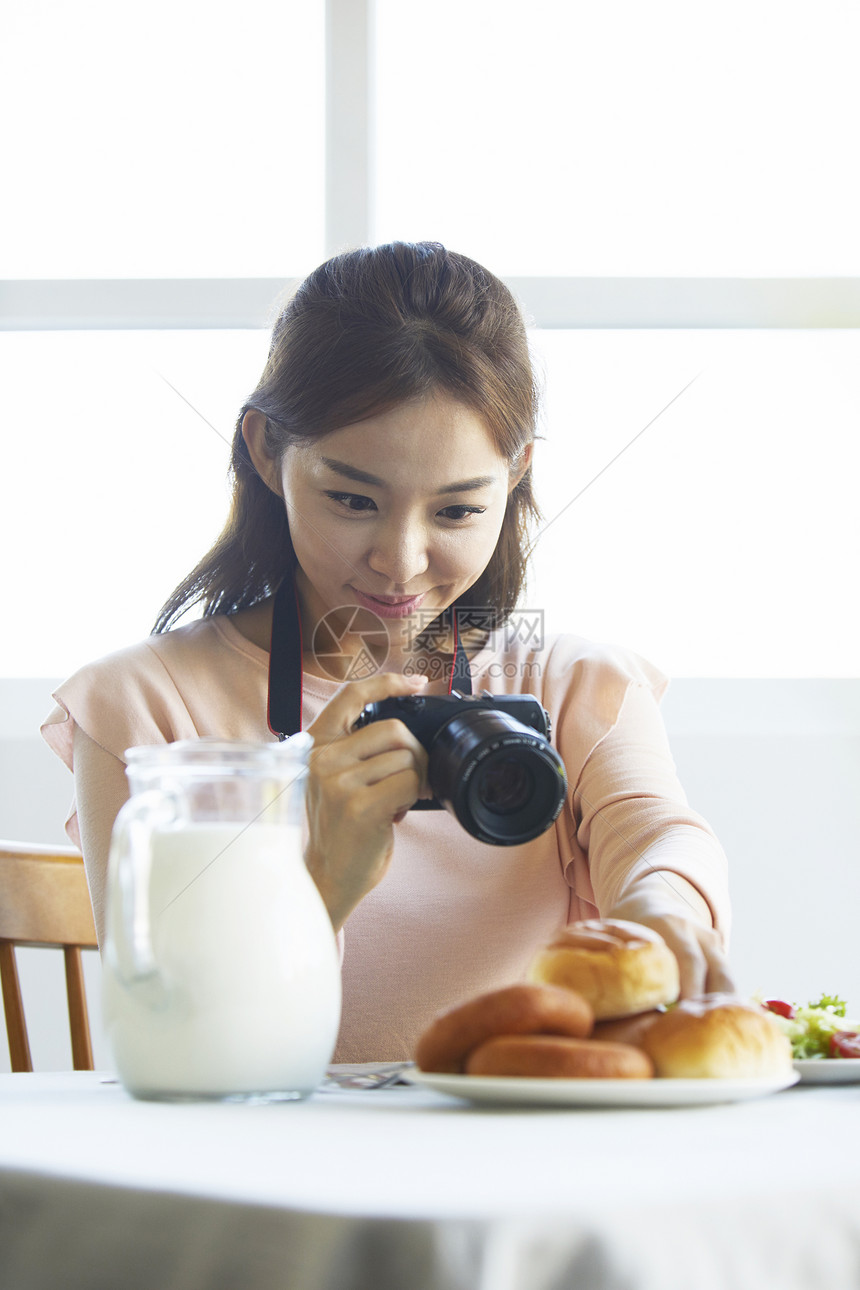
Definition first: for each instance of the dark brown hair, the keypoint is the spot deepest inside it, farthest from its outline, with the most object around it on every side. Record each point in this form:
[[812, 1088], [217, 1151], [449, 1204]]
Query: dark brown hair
[[368, 330]]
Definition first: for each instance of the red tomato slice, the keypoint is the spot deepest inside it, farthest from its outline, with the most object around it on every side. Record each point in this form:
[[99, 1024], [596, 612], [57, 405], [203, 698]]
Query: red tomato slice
[[845, 1043], [781, 1008]]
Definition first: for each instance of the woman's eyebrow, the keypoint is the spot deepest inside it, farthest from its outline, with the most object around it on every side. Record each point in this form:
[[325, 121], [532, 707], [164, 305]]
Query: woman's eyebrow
[[364, 477], [468, 485], [352, 472]]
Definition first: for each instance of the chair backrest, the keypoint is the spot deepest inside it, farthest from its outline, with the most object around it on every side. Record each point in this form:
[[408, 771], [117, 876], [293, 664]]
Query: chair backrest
[[44, 900]]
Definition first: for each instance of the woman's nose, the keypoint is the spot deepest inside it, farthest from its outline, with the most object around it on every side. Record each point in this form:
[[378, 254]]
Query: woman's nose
[[399, 556]]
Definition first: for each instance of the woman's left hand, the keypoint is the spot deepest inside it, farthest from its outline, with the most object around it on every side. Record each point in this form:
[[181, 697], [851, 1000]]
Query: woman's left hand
[[671, 906]]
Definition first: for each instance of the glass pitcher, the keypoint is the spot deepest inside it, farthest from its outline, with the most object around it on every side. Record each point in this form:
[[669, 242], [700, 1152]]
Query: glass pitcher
[[220, 974]]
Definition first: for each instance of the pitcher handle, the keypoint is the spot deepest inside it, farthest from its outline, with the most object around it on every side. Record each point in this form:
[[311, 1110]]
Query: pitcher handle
[[130, 865]]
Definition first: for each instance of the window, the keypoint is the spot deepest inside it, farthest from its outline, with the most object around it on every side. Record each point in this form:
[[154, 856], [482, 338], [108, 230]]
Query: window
[[114, 484], [167, 141], [722, 540], [674, 204], [622, 138]]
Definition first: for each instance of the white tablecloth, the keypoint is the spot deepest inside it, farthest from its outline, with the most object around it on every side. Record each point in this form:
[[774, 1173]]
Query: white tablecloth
[[402, 1189]]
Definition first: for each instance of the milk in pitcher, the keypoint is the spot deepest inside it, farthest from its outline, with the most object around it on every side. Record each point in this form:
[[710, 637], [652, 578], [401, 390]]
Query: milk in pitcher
[[247, 997]]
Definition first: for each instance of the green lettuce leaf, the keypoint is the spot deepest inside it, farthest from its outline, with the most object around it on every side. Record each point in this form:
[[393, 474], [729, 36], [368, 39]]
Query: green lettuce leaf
[[810, 1030]]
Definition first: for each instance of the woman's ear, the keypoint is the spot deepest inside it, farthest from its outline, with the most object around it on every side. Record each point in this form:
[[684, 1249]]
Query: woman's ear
[[519, 466], [254, 434]]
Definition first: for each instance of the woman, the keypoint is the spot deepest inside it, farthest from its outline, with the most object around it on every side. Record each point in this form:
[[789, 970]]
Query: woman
[[382, 494]]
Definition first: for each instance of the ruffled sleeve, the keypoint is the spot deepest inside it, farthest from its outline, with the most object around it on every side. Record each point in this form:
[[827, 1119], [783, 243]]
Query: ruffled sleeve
[[124, 700], [203, 679], [121, 701]]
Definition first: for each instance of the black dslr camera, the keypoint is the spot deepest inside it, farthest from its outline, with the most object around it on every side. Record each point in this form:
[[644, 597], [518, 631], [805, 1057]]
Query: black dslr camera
[[490, 760]]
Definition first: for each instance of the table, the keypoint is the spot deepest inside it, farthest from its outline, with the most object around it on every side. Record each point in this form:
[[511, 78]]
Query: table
[[404, 1189]]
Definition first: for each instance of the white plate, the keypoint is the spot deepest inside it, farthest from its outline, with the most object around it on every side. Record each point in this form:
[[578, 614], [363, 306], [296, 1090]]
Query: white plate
[[599, 1092], [828, 1070]]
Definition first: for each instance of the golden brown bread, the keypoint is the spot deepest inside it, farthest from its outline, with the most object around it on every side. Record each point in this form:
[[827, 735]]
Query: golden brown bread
[[625, 975], [626, 1030], [620, 968], [520, 1009], [550, 1057], [716, 1037]]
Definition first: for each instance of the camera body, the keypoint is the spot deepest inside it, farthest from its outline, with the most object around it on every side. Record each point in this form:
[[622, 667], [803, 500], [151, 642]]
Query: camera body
[[490, 761]]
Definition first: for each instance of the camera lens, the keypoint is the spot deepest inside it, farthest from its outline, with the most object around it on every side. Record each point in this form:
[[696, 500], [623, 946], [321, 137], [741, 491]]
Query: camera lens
[[504, 782], [505, 786]]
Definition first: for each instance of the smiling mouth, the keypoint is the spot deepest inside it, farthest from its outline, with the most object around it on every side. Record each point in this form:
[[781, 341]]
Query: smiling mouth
[[389, 606]]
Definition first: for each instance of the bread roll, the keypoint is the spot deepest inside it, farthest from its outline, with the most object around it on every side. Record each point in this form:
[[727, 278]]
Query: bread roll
[[620, 968], [626, 1030], [548, 1057], [717, 1037], [522, 1009]]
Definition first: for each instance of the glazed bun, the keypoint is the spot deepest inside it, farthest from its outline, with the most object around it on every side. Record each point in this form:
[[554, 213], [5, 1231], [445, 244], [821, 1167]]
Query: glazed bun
[[716, 1037], [550, 1057], [521, 1009], [621, 968]]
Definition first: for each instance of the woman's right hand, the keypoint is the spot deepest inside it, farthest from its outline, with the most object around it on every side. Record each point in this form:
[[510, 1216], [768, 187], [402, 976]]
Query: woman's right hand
[[360, 784]]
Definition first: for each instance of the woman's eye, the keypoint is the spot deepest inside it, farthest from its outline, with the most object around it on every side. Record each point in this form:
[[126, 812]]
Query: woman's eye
[[353, 501], [461, 512]]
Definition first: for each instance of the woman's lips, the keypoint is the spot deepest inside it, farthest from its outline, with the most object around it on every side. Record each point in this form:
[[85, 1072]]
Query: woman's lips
[[389, 606]]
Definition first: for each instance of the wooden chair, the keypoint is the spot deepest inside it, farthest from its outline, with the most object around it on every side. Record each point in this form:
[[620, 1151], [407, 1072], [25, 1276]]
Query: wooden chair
[[44, 900]]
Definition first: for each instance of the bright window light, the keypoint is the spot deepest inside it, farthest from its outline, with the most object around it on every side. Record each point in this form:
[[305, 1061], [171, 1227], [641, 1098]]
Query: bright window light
[[722, 541], [114, 484], [175, 139], [564, 137]]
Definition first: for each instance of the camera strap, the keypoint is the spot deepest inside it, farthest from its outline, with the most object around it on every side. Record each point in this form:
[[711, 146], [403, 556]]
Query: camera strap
[[461, 677], [285, 662], [284, 711]]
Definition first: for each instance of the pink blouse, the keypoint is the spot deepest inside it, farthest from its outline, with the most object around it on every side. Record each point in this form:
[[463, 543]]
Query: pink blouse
[[453, 917]]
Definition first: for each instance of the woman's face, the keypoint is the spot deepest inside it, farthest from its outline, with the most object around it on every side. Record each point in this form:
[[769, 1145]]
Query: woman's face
[[398, 514]]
